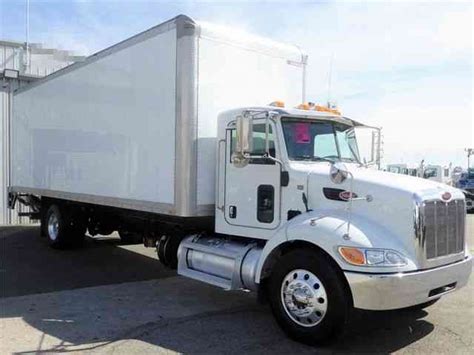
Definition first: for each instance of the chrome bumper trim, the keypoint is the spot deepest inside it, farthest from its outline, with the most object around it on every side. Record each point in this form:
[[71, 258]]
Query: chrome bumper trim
[[393, 291]]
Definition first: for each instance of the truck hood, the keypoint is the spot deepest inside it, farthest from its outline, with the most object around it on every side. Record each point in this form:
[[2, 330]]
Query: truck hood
[[391, 199], [377, 181]]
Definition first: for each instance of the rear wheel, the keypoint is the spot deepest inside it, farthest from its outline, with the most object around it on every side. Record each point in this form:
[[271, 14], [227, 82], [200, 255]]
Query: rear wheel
[[60, 230], [307, 297]]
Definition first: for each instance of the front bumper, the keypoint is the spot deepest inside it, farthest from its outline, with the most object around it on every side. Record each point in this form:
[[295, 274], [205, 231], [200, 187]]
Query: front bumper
[[393, 291]]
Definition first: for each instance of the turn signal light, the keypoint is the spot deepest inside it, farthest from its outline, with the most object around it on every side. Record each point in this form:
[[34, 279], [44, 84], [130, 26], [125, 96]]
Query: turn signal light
[[352, 255], [277, 104]]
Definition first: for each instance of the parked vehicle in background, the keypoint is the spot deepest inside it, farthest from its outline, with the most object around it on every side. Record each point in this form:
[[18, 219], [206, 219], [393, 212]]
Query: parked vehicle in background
[[397, 168], [438, 173], [412, 172], [167, 136], [456, 174], [402, 169], [466, 183]]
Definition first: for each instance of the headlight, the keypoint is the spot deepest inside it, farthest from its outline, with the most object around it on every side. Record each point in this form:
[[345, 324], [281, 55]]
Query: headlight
[[371, 257]]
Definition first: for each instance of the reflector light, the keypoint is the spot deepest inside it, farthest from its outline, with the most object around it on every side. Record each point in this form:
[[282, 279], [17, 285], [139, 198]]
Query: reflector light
[[277, 104], [303, 106], [326, 109], [321, 108]]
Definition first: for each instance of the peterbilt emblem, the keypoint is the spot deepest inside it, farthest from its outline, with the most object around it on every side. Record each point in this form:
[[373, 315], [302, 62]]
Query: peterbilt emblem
[[446, 196], [346, 195]]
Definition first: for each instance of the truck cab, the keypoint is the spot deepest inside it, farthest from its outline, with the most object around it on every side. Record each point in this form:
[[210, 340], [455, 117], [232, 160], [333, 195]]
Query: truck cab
[[397, 168], [438, 173], [300, 218], [263, 189]]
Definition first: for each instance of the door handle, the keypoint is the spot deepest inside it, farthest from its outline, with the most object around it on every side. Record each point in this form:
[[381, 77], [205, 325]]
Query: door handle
[[232, 211]]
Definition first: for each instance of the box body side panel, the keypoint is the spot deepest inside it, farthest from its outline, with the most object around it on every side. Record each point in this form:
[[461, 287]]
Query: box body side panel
[[103, 129], [231, 76]]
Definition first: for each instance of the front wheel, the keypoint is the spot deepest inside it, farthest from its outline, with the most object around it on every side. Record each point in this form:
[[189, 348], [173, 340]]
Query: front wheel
[[308, 298]]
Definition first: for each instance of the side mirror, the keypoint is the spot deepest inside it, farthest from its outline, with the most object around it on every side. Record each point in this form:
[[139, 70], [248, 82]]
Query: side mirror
[[244, 141], [376, 147], [244, 131], [338, 173]]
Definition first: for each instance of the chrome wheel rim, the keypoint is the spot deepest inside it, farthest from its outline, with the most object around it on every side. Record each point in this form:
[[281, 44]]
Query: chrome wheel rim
[[304, 298], [53, 226]]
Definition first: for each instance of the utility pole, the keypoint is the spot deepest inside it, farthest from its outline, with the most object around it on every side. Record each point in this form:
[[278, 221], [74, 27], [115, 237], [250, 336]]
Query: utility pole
[[331, 60], [469, 151], [27, 39]]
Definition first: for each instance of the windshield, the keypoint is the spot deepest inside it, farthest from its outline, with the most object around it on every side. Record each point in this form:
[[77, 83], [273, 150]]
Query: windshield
[[429, 173], [316, 140]]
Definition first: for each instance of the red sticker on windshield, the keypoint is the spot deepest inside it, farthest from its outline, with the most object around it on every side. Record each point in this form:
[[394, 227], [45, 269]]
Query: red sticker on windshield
[[301, 133]]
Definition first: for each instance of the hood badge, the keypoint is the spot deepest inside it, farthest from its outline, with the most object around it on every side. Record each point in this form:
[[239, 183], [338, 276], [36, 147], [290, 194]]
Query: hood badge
[[346, 195], [446, 196]]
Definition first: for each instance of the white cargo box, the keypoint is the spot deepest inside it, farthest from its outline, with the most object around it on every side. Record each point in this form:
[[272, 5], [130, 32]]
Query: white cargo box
[[135, 125]]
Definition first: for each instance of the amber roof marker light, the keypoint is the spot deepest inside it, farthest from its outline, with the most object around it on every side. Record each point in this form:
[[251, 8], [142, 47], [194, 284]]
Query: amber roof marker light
[[277, 103]]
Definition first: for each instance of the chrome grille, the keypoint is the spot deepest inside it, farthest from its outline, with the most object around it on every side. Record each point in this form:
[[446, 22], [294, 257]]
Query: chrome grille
[[443, 227]]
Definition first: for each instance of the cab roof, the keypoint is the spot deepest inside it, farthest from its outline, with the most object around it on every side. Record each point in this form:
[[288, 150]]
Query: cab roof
[[294, 112]]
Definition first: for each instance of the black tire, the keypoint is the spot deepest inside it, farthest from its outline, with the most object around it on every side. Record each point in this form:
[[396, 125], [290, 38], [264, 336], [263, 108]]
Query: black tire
[[130, 238], [43, 223], [60, 229], [167, 250], [421, 306], [338, 305], [160, 250]]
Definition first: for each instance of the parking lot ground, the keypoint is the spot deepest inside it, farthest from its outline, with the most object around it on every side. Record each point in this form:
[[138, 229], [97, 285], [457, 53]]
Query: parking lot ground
[[108, 298]]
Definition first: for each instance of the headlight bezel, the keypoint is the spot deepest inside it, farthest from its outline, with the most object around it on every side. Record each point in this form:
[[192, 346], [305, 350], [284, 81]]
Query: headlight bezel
[[370, 257]]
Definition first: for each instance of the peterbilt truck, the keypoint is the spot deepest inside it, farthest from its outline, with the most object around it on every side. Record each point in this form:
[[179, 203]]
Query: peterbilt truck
[[178, 136]]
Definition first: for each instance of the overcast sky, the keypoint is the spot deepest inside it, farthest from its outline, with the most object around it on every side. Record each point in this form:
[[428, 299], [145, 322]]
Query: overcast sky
[[404, 66]]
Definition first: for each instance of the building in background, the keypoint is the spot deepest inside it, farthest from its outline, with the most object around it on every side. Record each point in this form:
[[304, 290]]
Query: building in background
[[19, 66]]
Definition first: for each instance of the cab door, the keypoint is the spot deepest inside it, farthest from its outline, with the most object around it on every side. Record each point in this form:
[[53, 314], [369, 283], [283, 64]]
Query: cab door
[[252, 193]]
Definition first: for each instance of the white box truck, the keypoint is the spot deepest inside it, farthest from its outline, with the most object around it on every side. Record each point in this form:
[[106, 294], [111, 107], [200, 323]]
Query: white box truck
[[169, 136]]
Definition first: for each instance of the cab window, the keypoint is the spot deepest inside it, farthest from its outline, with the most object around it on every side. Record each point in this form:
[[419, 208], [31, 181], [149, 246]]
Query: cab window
[[258, 143]]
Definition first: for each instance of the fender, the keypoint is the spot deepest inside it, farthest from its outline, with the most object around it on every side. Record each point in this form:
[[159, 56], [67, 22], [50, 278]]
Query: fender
[[327, 230]]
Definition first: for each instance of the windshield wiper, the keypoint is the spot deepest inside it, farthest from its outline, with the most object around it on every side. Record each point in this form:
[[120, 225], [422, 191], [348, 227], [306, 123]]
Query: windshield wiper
[[311, 158], [303, 157], [323, 159], [350, 160]]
